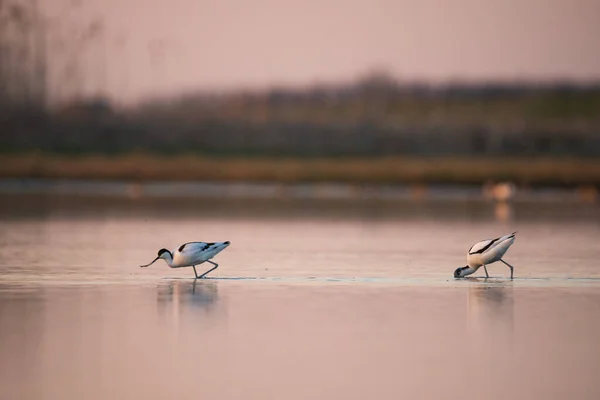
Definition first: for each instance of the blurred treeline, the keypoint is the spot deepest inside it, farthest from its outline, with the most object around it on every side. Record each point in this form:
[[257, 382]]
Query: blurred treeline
[[374, 116]]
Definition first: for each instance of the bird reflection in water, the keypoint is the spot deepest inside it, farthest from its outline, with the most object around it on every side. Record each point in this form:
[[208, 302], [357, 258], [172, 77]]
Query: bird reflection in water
[[490, 313], [188, 293], [490, 331]]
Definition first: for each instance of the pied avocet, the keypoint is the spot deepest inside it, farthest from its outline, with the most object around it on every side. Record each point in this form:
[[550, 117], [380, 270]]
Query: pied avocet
[[486, 252], [191, 254]]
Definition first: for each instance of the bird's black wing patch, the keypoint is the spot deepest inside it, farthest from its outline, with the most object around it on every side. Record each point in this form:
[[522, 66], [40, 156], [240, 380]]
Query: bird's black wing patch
[[182, 246], [206, 245], [484, 248]]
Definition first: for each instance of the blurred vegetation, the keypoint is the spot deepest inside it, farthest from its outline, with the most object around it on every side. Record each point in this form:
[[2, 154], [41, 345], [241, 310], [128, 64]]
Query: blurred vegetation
[[381, 170], [375, 128], [371, 130], [370, 118]]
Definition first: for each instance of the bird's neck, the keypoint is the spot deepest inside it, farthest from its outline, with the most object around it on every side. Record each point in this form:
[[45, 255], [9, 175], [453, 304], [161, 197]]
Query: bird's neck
[[168, 257], [470, 270]]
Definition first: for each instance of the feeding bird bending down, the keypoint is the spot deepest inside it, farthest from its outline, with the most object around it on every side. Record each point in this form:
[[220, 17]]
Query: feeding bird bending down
[[486, 252], [190, 255]]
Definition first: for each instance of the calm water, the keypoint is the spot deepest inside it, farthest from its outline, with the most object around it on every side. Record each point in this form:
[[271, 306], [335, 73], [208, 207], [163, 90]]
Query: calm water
[[313, 299]]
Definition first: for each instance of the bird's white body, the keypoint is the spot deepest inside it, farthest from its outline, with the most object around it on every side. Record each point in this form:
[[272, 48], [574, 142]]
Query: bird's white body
[[191, 254], [493, 250], [486, 252], [195, 253]]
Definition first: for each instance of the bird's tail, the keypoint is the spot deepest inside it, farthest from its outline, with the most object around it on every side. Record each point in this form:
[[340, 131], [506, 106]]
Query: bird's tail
[[506, 237], [511, 236]]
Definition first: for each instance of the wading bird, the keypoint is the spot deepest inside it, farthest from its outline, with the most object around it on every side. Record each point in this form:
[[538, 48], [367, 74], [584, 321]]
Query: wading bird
[[190, 255], [484, 253]]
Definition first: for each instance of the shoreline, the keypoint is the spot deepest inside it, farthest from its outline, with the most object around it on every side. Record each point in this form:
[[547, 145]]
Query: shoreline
[[521, 171], [500, 194]]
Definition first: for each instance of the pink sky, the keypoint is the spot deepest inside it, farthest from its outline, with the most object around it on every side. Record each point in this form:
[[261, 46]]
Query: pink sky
[[258, 43]]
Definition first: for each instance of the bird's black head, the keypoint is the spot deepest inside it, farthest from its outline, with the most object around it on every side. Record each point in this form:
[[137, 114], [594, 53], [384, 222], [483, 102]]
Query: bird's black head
[[162, 251], [457, 272]]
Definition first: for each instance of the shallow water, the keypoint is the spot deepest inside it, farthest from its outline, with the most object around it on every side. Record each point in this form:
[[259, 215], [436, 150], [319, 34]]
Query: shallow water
[[313, 299]]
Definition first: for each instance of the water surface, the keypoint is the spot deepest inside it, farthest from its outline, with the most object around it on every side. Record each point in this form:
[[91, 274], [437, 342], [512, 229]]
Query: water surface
[[313, 299]]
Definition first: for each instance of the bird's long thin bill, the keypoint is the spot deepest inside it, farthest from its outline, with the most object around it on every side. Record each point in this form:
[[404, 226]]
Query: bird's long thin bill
[[147, 265]]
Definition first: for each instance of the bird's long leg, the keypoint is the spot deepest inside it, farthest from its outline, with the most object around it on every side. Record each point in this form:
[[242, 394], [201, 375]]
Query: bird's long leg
[[509, 266], [485, 269], [195, 273], [212, 269]]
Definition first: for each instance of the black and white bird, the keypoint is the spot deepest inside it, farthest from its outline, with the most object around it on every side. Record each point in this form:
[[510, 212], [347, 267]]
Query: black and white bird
[[191, 254], [486, 252]]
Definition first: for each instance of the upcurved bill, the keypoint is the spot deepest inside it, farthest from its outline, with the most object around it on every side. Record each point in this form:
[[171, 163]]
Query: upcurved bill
[[147, 265]]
